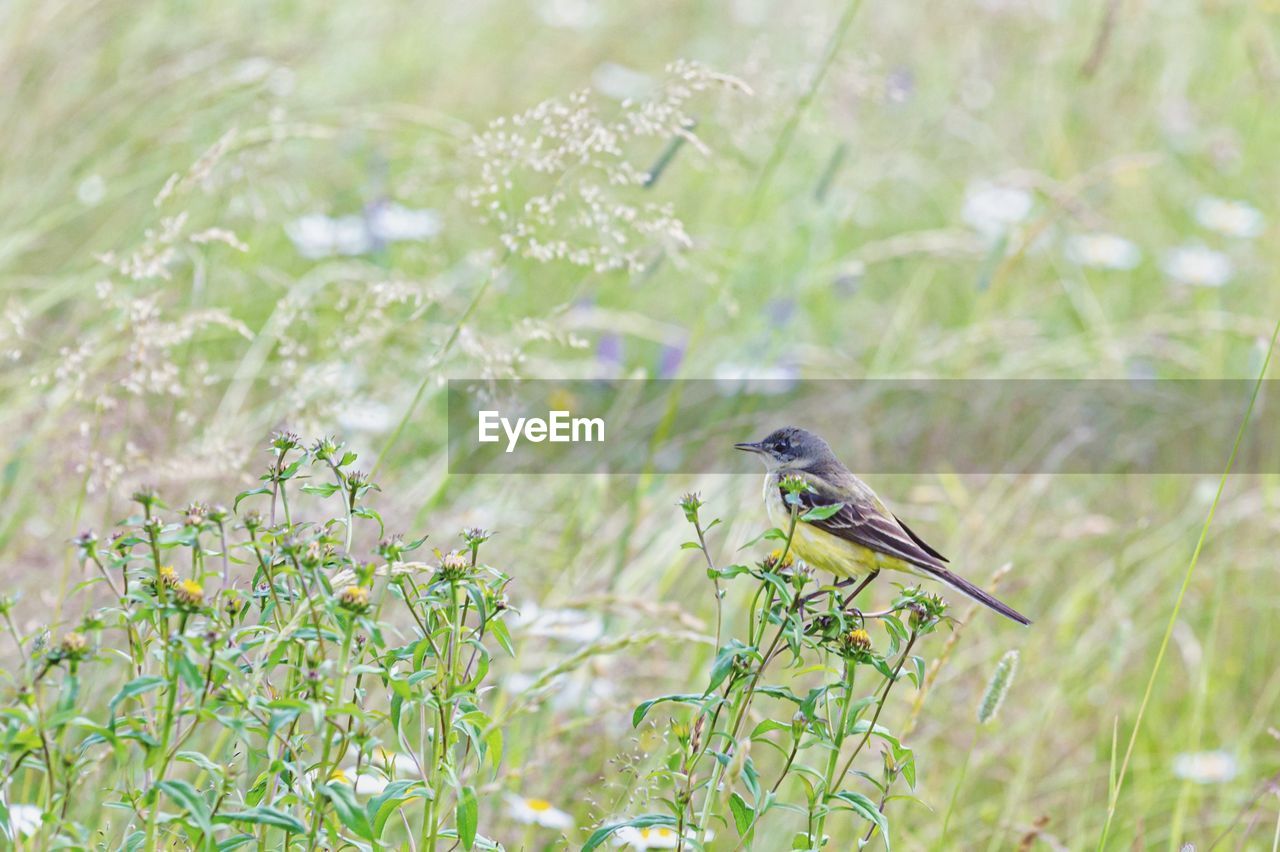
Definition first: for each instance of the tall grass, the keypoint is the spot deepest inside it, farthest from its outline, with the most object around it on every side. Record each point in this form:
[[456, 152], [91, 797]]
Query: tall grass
[[866, 255]]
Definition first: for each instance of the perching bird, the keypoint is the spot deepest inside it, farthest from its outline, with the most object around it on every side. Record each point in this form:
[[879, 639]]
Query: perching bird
[[862, 537]]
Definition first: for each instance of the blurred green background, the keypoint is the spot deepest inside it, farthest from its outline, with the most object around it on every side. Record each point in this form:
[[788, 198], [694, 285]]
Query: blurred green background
[[996, 189]]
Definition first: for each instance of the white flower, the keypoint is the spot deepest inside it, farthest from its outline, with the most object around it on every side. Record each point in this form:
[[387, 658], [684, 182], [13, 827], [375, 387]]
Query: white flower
[[1103, 251], [363, 784], [369, 785], [365, 416], [659, 837], [319, 236], [1205, 767], [568, 14], [538, 812], [391, 222], [91, 191], [1198, 265], [620, 82], [991, 209], [24, 819], [570, 625], [1231, 218], [733, 378]]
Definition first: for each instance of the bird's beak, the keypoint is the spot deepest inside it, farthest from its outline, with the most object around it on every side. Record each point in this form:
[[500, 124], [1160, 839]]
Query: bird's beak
[[750, 447]]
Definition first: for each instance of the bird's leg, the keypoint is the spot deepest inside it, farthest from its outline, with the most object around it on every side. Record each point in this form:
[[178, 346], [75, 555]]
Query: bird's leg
[[839, 584], [866, 581]]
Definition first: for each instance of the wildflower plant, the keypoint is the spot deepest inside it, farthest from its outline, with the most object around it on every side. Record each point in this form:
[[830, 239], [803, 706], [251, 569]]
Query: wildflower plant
[[754, 749], [262, 678]]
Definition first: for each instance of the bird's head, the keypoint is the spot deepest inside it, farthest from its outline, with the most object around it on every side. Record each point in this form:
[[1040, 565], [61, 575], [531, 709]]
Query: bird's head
[[790, 447]]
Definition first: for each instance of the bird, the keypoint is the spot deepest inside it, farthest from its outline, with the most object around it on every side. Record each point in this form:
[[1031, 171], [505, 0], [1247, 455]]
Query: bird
[[853, 533]]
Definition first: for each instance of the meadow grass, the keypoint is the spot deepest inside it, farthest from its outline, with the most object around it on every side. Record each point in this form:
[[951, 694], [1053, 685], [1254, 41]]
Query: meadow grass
[[827, 216]]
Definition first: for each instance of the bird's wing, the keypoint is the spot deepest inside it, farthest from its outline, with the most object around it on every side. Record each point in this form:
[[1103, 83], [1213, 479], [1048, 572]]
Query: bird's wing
[[921, 542], [862, 522]]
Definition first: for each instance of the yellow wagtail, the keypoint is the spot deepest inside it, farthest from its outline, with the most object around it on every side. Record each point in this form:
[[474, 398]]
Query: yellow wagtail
[[862, 537]]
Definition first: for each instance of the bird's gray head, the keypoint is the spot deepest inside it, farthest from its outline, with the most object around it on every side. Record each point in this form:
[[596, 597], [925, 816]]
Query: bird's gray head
[[791, 447]]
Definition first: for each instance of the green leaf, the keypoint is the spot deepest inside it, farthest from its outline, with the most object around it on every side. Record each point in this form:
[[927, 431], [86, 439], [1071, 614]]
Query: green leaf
[[390, 800], [766, 726], [724, 663], [821, 513], [643, 709], [264, 816], [468, 816], [134, 688], [742, 813], [190, 800], [348, 809], [600, 835], [503, 635], [252, 492], [867, 809], [202, 761]]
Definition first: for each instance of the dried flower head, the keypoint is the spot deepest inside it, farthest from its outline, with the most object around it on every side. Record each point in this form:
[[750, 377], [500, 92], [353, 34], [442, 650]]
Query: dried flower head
[[776, 561], [74, 646], [195, 514], [282, 442], [354, 599], [476, 536], [855, 643], [166, 576], [189, 595], [453, 566]]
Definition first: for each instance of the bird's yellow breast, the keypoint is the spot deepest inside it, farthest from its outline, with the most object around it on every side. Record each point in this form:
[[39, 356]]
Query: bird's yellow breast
[[821, 549]]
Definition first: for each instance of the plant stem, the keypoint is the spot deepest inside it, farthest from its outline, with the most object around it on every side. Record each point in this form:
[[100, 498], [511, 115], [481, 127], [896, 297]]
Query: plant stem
[[1182, 592], [833, 759]]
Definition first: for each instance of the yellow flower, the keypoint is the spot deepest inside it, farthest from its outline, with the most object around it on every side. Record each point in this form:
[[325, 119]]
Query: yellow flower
[[168, 577], [774, 560], [856, 642], [189, 594], [538, 812], [354, 598]]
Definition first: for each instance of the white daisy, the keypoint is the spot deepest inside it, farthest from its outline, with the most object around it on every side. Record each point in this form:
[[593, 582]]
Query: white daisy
[[363, 784], [1230, 218], [991, 209], [1198, 265], [568, 14], [390, 222], [369, 785], [25, 819], [1205, 767], [538, 812], [658, 837], [1103, 251], [319, 236]]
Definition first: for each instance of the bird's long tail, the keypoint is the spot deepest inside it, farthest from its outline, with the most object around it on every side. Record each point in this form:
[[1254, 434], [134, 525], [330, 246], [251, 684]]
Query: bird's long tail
[[960, 584]]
